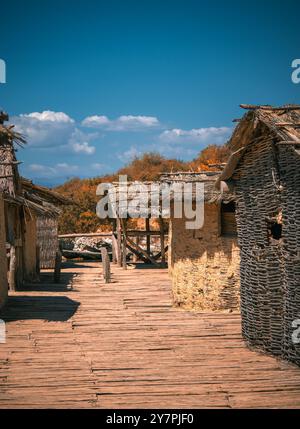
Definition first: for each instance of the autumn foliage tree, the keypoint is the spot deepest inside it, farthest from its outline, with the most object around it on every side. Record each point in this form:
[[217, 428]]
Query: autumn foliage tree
[[210, 157], [81, 217]]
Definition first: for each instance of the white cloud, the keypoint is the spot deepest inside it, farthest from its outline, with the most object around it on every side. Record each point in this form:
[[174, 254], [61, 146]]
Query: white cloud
[[57, 170], [129, 154], [98, 166], [96, 121], [45, 129], [79, 142], [54, 130], [83, 148], [211, 135], [122, 123], [49, 116]]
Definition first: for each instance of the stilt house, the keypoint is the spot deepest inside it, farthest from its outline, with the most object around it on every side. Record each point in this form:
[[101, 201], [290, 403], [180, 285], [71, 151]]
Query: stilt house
[[264, 173]]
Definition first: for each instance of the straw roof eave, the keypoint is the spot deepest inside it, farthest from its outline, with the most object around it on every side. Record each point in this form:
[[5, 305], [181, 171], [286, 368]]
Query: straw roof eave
[[280, 124]]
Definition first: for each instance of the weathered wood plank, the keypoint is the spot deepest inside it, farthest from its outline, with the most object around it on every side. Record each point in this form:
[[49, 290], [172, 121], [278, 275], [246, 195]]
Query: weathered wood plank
[[86, 344]]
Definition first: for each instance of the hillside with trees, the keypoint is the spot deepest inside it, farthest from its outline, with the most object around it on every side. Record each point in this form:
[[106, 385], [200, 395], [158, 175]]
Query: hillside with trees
[[81, 217]]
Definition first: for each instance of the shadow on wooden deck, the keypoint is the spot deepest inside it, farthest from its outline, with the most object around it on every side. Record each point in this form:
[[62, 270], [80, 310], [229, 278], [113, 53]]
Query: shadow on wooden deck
[[48, 308]]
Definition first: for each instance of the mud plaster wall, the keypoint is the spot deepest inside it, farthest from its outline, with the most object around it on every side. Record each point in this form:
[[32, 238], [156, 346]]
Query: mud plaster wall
[[204, 266]]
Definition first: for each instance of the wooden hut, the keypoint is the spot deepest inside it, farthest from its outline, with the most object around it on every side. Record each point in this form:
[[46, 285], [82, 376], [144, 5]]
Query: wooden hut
[[11, 212], [45, 224], [204, 263], [23, 209], [264, 172]]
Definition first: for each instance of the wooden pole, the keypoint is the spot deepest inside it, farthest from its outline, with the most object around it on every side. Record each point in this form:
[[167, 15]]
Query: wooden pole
[[12, 269], [147, 228], [124, 244], [3, 257], [119, 242], [114, 248], [105, 265], [57, 268], [124, 262], [91, 234], [38, 269], [135, 255], [162, 240]]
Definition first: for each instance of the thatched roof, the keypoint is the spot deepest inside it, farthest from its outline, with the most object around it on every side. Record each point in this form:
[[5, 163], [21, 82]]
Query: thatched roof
[[261, 123], [18, 190], [9, 176], [120, 193], [208, 178], [43, 194], [30, 206]]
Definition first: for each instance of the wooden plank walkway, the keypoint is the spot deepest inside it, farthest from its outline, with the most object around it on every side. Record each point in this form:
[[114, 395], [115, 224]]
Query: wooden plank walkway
[[89, 345]]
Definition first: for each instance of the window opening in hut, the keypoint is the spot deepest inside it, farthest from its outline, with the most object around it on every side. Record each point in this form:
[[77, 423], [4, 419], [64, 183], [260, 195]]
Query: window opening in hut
[[228, 220], [275, 230]]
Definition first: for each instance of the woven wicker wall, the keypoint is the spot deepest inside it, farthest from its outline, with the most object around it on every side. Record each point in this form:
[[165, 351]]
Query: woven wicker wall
[[267, 185]]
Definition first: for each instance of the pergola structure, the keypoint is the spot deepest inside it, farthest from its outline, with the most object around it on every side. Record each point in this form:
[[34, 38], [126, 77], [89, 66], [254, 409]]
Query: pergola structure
[[125, 239]]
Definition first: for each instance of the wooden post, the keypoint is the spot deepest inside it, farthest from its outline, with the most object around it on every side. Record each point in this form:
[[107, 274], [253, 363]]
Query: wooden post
[[124, 243], [38, 266], [124, 253], [135, 257], [57, 268], [3, 257], [147, 224], [114, 249], [119, 242], [113, 244], [162, 240], [105, 265], [12, 269]]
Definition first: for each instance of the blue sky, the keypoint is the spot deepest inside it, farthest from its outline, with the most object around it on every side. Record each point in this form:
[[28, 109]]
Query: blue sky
[[94, 83]]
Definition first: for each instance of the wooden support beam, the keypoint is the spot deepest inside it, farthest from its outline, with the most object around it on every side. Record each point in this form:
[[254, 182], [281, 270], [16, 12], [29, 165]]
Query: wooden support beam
[[105, 265], [3, 255], [289, 142], [254, 107], [57, 268], [93, 234], [137, 233], [119, 242], [135, 255], [158, 255], [124, 253], [114, 249], [142, 251], [124, 249], [12, 269], [147, 229], [138, 255], [162, 240], [38, 265]]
